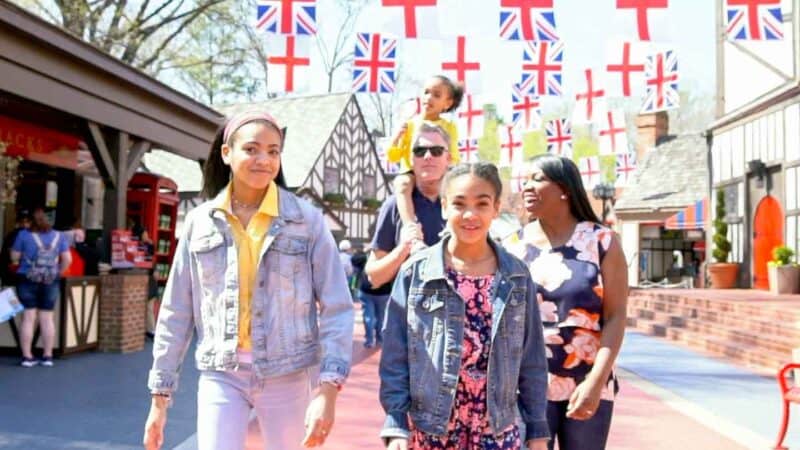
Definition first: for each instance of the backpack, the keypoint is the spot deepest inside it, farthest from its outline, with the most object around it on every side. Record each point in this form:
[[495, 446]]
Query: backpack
[[44, 268]]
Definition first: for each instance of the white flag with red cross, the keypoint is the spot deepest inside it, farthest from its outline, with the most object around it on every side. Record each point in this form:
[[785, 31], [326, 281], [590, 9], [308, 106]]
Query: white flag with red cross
[[470, 116], [590, 101], [288, 63], [612, 133], [625, 68], [461, 64], [519, 176], [510, 146], [591, 174], [642, 15], [412, 19]]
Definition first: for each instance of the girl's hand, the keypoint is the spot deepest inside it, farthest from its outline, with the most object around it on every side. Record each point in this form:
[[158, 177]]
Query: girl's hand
[[320, 415], [399, 133], [399, 444], [537, 444], [584, 401], [154, 426]]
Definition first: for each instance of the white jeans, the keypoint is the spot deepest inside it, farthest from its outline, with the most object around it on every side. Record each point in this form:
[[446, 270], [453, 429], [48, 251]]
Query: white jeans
[[225, 400]]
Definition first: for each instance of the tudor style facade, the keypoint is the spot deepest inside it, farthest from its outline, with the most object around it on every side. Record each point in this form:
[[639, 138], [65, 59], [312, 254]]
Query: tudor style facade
[[755, 152]]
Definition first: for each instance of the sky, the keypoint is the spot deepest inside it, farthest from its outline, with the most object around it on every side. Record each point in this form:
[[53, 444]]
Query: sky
[[585, 26]]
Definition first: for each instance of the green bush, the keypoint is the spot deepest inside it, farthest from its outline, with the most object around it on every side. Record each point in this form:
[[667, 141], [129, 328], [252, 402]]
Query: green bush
[[722, 246], [334, 198], [782, 256]]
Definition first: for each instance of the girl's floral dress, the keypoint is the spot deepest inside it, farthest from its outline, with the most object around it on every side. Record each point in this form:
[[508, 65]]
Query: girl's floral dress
[[468, 428], [570, 302]]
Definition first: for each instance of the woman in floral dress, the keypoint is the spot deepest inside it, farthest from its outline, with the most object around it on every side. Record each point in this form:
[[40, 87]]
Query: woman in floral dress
[[582, 277]]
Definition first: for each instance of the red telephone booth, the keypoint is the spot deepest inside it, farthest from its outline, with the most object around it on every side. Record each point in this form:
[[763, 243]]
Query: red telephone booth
[[153, 203]]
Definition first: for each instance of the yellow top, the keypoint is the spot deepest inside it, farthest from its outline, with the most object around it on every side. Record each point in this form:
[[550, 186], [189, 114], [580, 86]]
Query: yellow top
[[402, 151], [248, 245]]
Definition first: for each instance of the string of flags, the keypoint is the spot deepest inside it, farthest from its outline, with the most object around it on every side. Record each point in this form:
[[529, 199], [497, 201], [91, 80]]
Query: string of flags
[[633, 68]]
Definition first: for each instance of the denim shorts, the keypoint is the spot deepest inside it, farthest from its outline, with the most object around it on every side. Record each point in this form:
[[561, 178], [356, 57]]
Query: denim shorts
[[38, 295]]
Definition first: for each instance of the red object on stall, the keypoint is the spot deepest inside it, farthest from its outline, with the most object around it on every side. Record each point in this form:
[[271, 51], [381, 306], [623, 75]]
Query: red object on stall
[[153, 204]]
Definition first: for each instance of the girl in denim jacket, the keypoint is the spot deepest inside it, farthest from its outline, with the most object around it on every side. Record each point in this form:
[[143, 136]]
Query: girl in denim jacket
[[463, 347], [257, 276]]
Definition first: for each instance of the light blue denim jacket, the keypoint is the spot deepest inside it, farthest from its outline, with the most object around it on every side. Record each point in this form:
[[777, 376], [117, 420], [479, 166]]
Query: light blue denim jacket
[[302, 308], [422, 345]]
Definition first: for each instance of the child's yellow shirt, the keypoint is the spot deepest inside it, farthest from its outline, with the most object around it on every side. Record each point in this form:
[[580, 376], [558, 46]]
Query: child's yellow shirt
[[402, 151]]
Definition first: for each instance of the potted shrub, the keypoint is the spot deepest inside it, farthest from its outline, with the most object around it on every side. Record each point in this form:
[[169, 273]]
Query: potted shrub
[[722, 273], [334, 199], [371, 203], [784, 275]]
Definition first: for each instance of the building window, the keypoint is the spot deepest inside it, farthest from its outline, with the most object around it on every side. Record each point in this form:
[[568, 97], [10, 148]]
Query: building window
[[369, 186], [331, 180]]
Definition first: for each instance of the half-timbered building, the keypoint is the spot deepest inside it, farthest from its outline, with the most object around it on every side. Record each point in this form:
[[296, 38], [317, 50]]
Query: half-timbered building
[[755, 152]]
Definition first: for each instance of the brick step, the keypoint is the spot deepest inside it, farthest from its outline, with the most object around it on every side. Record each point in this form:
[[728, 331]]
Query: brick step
[[775, 343], [751, 356], [668, 319], [781, 327], [651, 327], [754, 308], [790, 330], [763, 322]]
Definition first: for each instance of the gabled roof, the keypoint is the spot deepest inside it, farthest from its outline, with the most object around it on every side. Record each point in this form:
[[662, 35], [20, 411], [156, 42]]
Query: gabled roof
[[185, 172], [309, 123], [673, 175]]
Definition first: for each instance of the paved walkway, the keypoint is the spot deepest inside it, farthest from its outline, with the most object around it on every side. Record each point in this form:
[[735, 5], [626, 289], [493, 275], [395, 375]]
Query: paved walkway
[[670, 398]]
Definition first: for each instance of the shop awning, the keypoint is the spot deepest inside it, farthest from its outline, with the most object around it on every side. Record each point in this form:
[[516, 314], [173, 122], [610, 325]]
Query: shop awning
[[693, 217]]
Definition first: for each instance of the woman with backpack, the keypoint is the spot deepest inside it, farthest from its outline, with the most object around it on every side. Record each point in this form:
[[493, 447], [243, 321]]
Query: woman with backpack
[[42, 254]]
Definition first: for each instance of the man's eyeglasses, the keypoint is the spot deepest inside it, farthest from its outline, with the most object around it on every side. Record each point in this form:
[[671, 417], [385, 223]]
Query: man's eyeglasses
[[421, 150]]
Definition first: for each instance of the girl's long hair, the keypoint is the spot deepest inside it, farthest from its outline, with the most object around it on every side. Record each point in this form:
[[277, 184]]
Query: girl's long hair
[[217, 174], [565, 173]]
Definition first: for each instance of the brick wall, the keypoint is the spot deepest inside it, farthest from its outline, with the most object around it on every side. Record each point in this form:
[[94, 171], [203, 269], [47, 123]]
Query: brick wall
[[122, 313]]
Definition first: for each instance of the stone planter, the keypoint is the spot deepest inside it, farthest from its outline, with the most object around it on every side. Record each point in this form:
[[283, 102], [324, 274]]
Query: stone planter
[[723, 275], [784, 279]]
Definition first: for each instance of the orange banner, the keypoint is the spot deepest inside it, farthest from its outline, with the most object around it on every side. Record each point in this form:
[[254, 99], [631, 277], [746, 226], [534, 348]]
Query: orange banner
[[40, 144]]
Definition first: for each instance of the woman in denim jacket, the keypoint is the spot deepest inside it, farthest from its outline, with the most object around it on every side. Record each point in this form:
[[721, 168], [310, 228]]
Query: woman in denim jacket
[[463, 346], [257, 275]]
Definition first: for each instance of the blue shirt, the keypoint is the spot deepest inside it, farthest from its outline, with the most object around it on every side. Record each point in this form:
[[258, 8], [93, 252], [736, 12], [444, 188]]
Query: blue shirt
[[27, 246], [387, 229]]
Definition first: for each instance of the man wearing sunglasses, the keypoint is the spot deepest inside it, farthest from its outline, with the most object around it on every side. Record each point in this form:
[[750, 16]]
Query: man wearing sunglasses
[[392, 241]]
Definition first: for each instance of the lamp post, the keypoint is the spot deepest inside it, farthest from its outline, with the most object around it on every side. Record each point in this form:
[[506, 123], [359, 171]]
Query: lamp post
[[604, 191]]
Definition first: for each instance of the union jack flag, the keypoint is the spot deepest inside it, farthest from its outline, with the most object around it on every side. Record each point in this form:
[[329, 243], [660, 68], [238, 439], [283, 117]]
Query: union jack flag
[[374, 63], [510, 147], [468, 148], [589, 167], [527, 20], [661, 72], [287, 16], [626, 165], [542, 63], [526, 112], [559, 137], [754, 20]]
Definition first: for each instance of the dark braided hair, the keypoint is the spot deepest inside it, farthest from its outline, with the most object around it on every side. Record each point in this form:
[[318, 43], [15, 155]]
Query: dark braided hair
[[483, 170]]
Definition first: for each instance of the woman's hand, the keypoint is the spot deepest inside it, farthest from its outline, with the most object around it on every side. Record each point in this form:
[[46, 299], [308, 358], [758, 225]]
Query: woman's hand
[[537, 444], [154, 426], [398, 444], [320, 415], [585, 400]]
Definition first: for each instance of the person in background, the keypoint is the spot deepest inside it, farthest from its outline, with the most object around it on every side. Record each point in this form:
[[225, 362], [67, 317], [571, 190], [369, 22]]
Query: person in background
[[42, 254], [373, 301], [583, 289], [345, 258], [8, 273]]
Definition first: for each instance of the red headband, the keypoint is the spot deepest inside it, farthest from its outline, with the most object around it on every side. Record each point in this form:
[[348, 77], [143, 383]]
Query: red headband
[[244, 117]]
